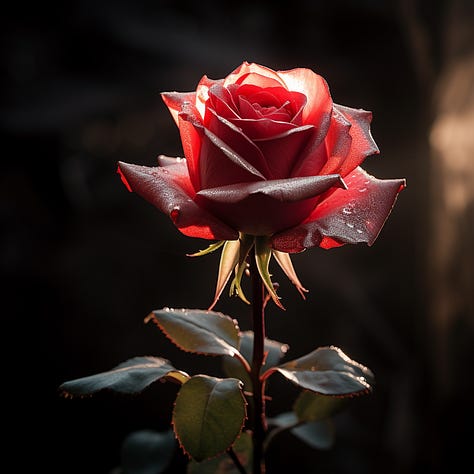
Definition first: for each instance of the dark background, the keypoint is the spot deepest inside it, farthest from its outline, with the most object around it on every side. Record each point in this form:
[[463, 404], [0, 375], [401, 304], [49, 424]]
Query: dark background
[[84, 261]]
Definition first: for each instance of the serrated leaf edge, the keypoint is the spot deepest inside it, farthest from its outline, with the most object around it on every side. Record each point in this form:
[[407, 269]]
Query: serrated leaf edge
[[234, 352], [236, 438]]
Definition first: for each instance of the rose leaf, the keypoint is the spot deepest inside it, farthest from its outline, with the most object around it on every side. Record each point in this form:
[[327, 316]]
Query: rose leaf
[[208, 415], [223, 464], [328, 371], [198, 331], [131, 376]]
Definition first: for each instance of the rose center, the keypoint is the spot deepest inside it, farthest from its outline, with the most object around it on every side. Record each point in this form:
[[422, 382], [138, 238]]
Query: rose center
[[283, 112]]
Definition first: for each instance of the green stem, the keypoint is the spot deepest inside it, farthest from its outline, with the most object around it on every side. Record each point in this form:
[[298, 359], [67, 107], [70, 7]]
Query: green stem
[[258, 315]]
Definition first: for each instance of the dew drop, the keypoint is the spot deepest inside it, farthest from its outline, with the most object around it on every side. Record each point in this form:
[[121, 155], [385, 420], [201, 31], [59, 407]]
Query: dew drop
[[359, 231], [362, 190], [174, 214], [348, 224], [346, 211]]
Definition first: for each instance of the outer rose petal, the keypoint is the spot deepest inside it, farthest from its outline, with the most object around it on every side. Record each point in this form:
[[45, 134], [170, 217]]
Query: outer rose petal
[[324, 155], [202, 93], [175, 100], [265, 207], [169, 189], [362, 145], [349, 216], [191, 140]]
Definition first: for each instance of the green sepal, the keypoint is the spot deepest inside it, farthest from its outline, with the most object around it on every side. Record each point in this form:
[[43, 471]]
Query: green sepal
[[263, 254], [246, 244], [208, 416], [228, 261], [212, 248], [131, 376], [284, 260]]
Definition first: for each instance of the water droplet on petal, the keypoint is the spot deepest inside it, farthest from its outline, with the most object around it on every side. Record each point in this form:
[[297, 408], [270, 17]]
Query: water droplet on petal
[[348, 224], [346, 211], [362, 190], [174, 214], [359, 231]]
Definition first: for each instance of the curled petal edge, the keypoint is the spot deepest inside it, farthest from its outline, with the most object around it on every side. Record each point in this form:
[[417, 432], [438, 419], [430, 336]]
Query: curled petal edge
[[168, 188], [354, 215], [283, 190]]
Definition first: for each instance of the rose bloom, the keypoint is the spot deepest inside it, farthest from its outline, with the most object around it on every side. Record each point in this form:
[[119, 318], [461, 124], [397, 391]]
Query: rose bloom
[[268, 153]]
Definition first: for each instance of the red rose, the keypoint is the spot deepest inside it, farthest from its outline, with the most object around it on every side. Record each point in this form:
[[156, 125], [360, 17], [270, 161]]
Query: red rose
[[268, 153]]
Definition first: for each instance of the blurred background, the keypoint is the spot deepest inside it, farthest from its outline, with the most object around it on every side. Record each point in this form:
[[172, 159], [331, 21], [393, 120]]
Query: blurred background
[[83, 261]]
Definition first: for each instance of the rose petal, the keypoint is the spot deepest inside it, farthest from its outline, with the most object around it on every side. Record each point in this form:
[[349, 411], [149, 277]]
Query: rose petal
[[264, 96], [189, 124], [268, 96], [247, 110], [222, 102], [354, 215], [317, 110], [219, 164], [170, 190], [283, 190], [363, 145], [260, 80], [326, 157], [241, 144], [175, 100], [247, 68], [282, 151], [265, 207], [263, 128], [202, 93], [215, 161]]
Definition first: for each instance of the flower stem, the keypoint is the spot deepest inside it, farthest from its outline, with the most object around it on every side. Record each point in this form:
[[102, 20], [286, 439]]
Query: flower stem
[[258, 316]]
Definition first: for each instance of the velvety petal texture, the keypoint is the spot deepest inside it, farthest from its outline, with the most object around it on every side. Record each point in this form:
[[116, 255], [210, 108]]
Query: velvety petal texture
[[268, 153], [346, 216], [169, 189]]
